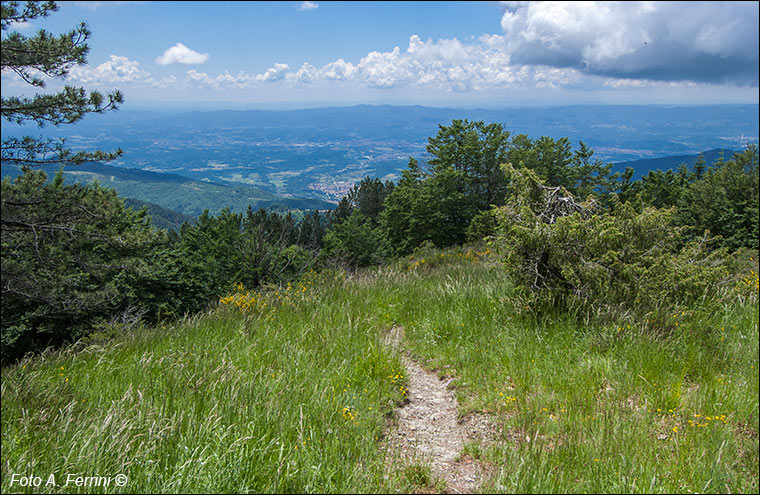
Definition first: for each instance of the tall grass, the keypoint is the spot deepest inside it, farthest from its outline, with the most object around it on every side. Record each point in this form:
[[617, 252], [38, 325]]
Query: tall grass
[[294, 396], [222, 403]]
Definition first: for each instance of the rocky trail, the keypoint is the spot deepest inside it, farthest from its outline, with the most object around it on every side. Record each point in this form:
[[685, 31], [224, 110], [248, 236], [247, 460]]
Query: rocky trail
[[428, 430]]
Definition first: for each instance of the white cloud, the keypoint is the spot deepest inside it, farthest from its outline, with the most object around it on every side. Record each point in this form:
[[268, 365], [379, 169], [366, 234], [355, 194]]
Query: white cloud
[[627, 83], [554, 77], [672, 41], [180, 54], [20, 26], [307, 74], [198, 77], [386, 69], [166, 82], [446, 64], [220, 82], [446, 50], [275, 73], [116, 70], [307, 6], [340, 70]]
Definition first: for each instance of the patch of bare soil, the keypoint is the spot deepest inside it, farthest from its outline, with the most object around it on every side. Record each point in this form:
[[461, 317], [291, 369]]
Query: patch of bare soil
[[428, 431]]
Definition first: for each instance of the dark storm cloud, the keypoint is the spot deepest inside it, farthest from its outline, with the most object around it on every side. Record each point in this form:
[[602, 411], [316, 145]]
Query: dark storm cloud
[[709, 42]]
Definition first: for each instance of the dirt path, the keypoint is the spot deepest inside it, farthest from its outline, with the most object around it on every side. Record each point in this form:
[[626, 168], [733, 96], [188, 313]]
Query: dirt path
[[427, 430]]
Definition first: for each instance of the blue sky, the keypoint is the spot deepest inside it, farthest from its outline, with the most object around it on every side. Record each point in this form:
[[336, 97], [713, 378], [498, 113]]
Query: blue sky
[[459, 54]]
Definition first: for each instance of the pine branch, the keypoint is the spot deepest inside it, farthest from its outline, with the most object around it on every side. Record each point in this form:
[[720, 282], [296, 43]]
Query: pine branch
[[33, 152], [65, 107], [32, 10]]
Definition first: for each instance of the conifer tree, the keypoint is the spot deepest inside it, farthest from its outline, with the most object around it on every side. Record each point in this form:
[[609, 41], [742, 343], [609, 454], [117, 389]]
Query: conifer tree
[[46, 56], [72, 255]]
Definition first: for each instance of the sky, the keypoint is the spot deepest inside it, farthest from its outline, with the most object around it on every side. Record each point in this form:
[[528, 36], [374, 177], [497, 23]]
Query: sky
[[452, 54]]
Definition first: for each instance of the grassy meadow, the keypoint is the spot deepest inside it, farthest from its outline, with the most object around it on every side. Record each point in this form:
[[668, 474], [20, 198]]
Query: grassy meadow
[[290, 389]]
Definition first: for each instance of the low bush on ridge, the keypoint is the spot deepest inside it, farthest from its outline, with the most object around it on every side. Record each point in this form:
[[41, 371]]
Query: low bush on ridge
[[569, 255]]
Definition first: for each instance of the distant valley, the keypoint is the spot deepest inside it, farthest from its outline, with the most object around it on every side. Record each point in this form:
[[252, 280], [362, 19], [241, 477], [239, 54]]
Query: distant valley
[[310, 158]]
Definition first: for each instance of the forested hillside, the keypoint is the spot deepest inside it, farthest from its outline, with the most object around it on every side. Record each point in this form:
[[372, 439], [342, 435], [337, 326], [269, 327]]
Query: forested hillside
[[178, 193], [162, 218]]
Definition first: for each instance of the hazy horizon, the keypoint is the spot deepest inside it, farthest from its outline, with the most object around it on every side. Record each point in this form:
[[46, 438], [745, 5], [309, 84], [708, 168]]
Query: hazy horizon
[[292, 106]]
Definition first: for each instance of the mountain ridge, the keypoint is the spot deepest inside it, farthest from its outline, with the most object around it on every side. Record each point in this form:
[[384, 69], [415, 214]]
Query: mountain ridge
[[643, 166]]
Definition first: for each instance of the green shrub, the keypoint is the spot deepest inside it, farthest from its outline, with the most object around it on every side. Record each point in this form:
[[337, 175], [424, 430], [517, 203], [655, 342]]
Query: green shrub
[[354, 242], [483, 225], [570, 256]]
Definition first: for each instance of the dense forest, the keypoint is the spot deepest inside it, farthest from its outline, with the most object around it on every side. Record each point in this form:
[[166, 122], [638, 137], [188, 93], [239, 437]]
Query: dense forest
[[76, 258]]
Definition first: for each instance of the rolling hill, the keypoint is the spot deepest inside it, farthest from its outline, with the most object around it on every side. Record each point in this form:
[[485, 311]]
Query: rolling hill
[[181, 194]]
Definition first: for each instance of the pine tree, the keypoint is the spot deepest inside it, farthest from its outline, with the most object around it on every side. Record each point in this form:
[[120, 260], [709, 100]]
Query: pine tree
[[31, 59], [72, 256]]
